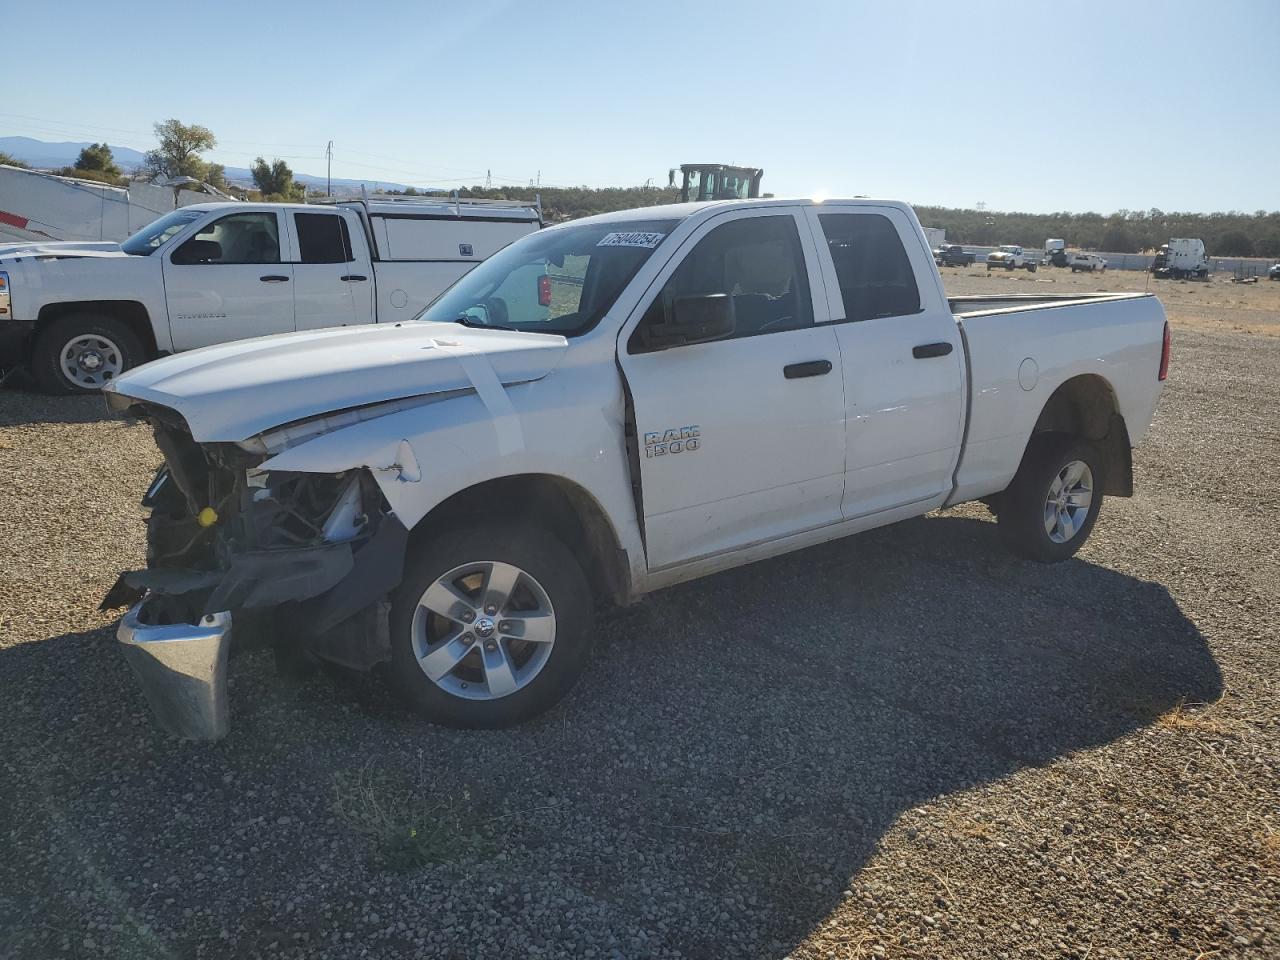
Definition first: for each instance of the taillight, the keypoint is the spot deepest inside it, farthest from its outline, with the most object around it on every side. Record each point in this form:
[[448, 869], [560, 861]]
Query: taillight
[[1164, 353], [544, 291]]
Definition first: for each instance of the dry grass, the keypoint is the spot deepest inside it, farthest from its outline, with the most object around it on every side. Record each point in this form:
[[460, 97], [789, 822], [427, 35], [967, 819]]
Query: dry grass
[[1217, 305], [1186, 717], [407, 822]]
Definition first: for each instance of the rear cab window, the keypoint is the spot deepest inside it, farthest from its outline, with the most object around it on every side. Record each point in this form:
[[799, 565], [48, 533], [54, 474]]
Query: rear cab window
[[874, 273], [322, 238]]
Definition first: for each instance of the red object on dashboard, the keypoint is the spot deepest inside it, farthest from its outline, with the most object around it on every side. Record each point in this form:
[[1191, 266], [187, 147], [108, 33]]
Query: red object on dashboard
[[544, 291]]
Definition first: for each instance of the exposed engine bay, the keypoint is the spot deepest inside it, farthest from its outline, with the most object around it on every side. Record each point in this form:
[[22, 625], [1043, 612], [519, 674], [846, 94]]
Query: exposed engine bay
[[303, 561]]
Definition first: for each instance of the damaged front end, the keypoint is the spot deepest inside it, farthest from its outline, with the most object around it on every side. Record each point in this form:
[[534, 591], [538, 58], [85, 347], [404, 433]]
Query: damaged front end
[[298, 561]]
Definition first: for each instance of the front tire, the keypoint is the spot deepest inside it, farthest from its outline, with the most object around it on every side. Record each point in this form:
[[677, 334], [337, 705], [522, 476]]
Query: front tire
[[83, 352], [491, 626], [1049, 510]]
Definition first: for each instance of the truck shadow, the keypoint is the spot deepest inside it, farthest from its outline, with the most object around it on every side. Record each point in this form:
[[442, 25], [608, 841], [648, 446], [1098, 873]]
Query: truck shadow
[[735, 754], [21, 403]]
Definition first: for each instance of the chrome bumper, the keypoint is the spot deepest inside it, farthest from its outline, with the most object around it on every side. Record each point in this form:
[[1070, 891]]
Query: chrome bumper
[[182, 668]]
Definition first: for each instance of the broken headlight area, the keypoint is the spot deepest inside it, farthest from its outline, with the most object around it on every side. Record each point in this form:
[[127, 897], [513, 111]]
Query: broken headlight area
[[300, 560]]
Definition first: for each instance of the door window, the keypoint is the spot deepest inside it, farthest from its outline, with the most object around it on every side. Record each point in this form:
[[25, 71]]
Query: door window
[[758, 262], [875, 276], [322, 238], [238, 238]]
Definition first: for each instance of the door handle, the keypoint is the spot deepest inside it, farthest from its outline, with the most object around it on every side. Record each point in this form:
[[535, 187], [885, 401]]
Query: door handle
[[274, 278], [927, 350], [352, 278], [810, 368]]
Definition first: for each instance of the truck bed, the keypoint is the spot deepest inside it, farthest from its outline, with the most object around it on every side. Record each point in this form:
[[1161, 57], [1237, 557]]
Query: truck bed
[[979, 305], [1021, 348]]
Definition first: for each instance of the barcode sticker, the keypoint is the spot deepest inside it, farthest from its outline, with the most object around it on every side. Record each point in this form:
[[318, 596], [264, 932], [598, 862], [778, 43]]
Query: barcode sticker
[[632, 239]]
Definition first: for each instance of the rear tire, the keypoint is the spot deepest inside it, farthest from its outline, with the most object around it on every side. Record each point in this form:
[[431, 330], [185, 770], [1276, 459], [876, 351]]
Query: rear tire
[[1049, 510], [82, 352], [493, 677]]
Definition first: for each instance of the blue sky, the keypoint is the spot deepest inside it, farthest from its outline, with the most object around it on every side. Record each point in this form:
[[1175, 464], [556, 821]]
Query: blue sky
[[1073, 105]]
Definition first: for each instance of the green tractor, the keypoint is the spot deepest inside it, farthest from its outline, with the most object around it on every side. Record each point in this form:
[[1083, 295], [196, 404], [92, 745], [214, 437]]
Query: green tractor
[[717, 181]]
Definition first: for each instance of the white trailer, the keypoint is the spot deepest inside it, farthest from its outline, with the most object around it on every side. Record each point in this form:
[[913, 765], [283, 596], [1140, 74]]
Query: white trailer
[[36, 207]]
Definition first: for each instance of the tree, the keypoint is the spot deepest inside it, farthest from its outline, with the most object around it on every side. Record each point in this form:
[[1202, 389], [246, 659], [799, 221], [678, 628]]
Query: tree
[[178, 153], [97, 157], [1234, 243], [275, 180], [1117, 239], [215, 175]]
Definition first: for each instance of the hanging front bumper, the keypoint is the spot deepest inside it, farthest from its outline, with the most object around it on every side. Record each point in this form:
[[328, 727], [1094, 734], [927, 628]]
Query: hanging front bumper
[[182, 668]]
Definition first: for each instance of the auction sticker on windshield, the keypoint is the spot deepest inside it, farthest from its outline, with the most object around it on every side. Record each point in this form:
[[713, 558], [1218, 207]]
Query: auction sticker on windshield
[[631, 239]]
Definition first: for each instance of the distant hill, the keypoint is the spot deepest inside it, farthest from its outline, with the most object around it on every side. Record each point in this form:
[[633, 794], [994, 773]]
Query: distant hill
[[51, 156], [38, 153]]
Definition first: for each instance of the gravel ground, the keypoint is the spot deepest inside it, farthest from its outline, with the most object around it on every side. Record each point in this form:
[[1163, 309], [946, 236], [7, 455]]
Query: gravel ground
[[906, 744]]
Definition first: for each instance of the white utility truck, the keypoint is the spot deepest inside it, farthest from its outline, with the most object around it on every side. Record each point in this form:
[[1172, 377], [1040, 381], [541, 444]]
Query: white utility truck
[[79, 314], [713, 384], [1010, 257]]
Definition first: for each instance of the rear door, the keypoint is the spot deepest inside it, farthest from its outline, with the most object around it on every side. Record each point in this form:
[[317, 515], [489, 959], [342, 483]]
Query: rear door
[[228, 281], [741, 439], [333, 284], [901, 353]]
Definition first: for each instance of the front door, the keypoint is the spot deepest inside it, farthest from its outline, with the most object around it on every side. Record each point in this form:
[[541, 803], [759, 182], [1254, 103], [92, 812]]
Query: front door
[[903, 360], [739, 439], [227, 282], [331, 286]]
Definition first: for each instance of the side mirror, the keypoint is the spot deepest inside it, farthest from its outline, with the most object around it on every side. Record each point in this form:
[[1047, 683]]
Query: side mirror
[[197, 251], [693, 320]]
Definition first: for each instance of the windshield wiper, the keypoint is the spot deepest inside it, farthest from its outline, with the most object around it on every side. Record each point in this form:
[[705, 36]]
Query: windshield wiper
[[475, 324]]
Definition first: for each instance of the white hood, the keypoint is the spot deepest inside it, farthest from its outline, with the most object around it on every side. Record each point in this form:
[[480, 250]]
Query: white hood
[[61, 249], [234, 391]]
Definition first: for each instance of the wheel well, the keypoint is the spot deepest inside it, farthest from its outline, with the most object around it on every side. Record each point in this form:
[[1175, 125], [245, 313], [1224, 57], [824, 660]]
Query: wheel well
[[1086, 406], [130, 312], [559, 505]]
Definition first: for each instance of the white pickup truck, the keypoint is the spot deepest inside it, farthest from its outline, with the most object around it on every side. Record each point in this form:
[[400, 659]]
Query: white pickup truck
[[1010, 257], [79, 314], [713, 384]]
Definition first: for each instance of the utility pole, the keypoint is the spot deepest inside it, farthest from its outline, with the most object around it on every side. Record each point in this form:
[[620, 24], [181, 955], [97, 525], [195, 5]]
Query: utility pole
[[328, 176], [488, 179]]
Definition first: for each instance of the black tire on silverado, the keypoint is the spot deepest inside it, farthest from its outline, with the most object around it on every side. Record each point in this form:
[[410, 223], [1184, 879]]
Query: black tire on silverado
[[107, 341], [1049, 509], [496, 679]]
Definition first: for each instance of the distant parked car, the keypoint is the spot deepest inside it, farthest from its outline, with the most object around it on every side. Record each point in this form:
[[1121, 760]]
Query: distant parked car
[[1010, 257], [1087, 261], [1274, 272], [953, 255]]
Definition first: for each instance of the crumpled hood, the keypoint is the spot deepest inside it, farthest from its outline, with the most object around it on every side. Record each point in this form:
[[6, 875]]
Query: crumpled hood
[[233, 391], [61, 249]]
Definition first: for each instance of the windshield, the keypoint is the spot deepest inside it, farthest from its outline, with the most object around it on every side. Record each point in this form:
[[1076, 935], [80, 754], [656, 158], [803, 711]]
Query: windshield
[[553, 281], [153, 235]]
